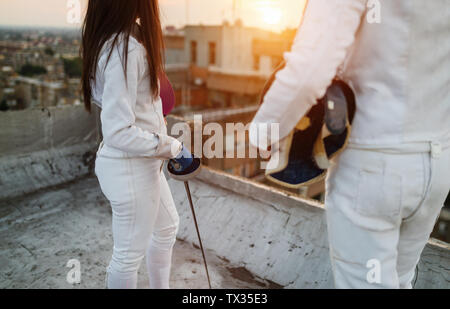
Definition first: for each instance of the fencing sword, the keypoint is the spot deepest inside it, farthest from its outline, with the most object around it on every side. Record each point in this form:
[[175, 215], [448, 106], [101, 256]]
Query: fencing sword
[[176, 172], [188, 191]]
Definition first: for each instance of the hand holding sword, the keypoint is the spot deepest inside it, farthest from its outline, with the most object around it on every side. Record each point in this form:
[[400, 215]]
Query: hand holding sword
[[184, 168]]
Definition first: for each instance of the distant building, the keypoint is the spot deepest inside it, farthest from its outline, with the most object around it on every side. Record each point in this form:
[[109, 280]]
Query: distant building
[[233, 61], [222, 66], [33, 92], [219, 72], [177, 68], [174, 44]]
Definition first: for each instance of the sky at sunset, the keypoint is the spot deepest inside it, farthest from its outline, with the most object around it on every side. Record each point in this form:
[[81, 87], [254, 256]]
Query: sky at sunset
[[268, 14]]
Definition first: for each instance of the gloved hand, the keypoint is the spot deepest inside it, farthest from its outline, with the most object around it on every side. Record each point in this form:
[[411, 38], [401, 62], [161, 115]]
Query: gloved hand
[[185, 166], [182, 161]]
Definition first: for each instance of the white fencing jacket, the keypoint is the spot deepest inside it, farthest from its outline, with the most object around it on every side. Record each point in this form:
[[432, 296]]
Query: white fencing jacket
[[399, 69], [132, 119]]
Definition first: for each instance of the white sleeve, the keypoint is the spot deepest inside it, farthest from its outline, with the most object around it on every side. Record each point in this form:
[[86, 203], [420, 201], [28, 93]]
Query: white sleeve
[[320, 47], [118, 110]]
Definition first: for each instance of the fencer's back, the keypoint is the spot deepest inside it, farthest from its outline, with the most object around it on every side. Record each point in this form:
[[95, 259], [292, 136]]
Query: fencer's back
[[400, 70]]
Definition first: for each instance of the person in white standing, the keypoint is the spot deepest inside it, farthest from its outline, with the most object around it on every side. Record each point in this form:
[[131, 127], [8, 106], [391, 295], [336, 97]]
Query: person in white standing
[[386, 190], [122, 58]]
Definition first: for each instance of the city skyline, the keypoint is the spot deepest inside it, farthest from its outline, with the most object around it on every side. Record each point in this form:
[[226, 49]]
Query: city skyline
[[273, 15]]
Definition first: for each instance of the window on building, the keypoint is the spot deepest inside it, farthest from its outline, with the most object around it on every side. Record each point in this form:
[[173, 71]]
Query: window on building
[[193, 52], [256, 62], [212, 53]]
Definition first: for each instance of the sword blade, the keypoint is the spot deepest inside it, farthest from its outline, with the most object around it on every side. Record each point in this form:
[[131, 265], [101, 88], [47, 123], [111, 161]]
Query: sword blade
[[188, 191]]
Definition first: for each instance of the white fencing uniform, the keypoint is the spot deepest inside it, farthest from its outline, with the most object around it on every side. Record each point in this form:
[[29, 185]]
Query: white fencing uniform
[[145, 220], [128, 167], [382, 207], [384, 192]]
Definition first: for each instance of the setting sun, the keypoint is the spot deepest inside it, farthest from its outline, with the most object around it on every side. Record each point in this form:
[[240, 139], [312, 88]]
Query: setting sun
[[271, 15]]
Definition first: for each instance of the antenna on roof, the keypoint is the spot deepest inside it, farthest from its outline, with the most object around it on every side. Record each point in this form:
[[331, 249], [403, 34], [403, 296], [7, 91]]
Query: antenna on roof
[[187, 12], [236, 10]]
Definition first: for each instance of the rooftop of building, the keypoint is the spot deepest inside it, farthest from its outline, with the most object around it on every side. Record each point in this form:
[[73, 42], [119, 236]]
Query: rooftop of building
[[52, 210], [46, 229]]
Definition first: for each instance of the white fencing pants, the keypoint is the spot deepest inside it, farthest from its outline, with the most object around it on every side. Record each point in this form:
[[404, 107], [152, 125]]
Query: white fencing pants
[[381, 209], [145, 220]]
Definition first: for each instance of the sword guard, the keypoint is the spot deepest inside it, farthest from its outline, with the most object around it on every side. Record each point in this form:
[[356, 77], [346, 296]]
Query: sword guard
[[184, 175]]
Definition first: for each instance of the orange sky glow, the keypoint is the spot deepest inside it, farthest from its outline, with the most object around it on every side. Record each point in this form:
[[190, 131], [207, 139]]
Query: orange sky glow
[[268, 14]]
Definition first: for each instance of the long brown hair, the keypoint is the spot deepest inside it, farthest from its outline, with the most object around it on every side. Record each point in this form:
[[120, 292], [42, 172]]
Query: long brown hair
[[108, 19]]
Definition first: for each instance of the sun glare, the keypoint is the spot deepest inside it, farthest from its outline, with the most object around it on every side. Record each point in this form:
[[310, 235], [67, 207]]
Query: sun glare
[[271, 15]]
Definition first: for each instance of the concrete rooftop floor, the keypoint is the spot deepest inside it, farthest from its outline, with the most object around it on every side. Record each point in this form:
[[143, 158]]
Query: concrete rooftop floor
[[42, 231]]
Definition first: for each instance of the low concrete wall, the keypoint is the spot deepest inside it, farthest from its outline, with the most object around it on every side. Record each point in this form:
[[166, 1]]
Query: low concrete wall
[[23, 174], [44, 147], [276, 236], [31, 130]]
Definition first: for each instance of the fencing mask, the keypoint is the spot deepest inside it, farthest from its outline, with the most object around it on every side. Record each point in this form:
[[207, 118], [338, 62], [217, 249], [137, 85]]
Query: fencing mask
[[302, 158]]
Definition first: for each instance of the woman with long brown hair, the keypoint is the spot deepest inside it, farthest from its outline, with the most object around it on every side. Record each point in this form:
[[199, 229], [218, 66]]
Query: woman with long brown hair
[[122, 53]]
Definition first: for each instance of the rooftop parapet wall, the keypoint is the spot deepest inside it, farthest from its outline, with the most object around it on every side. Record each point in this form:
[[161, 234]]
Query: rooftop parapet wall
[[44, 147], [31, 130], [275, 235]]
